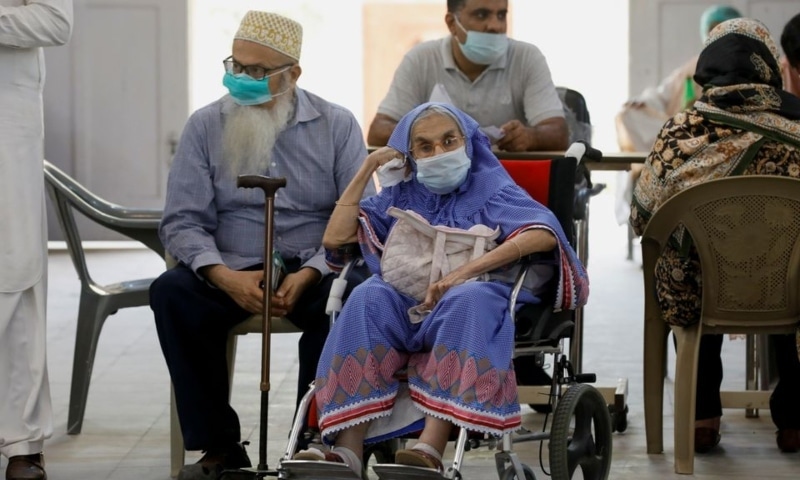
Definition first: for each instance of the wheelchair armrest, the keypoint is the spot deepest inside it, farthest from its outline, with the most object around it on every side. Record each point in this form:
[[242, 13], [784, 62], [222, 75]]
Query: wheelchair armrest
[[539, 324], [352, 249]]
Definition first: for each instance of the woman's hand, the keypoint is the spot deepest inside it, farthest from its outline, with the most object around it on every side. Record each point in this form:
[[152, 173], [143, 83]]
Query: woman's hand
[[437, 290], [380, 157]]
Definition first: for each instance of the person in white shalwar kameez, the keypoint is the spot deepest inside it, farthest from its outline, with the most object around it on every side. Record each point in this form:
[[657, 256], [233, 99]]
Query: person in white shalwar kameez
[[25, 408]]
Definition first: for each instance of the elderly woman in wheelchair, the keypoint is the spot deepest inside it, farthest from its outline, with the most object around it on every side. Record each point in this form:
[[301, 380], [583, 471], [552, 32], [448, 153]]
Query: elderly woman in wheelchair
[[443, 240]]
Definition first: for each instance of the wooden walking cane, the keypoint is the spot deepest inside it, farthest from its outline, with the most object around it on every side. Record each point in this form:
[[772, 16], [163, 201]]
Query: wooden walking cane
[[269, 186]]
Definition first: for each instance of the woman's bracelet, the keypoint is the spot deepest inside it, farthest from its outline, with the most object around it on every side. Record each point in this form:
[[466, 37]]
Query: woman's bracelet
[[343, 204]]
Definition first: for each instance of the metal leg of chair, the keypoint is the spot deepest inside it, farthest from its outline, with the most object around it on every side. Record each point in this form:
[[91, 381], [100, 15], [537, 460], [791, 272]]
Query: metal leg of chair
[[91, 315], [576, 343]]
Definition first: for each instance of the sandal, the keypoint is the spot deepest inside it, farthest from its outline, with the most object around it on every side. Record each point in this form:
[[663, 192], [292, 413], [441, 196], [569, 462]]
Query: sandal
[[418, 458], [317, 455]]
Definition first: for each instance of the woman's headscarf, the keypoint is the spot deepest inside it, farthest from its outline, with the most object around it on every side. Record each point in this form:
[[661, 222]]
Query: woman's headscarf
[[488, 196], [743, 105], [485, 165], [740, 53]]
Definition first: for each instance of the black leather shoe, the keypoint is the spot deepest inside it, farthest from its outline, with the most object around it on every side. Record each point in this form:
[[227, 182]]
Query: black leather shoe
[[215, 461], [705, 439], [788, 440], [26, 467]]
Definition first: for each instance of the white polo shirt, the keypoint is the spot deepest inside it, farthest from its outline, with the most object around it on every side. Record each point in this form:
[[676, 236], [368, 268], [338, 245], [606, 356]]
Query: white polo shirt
[[516, 86]]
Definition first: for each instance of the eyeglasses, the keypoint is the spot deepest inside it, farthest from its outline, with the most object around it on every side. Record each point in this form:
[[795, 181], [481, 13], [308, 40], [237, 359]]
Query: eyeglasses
[[256, 72], [422, 150]]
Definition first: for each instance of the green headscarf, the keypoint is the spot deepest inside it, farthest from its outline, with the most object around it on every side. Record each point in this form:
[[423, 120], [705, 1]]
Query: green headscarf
[[714, 15]]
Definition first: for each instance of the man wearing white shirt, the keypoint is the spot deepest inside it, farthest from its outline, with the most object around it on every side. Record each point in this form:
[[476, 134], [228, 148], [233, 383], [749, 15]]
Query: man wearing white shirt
[[502, 83], [25, 408]]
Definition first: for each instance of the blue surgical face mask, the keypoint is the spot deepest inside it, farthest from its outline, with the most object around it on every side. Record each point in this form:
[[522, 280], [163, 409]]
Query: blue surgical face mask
[[443, 173], [245, 90], [482, 48]]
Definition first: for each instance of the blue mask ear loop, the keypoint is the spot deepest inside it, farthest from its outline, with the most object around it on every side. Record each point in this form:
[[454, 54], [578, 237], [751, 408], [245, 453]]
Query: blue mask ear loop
[[277, 73]]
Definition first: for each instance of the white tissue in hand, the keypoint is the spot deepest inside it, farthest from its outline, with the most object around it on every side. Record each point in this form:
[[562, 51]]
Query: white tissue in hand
[[392, 172]]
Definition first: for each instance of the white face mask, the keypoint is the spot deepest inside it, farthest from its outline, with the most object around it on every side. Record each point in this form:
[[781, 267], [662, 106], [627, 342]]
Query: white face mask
[[482, 48], [443, 173]]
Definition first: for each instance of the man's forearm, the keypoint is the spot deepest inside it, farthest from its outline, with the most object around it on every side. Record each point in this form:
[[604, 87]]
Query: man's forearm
[[549, 136], [380, 130]]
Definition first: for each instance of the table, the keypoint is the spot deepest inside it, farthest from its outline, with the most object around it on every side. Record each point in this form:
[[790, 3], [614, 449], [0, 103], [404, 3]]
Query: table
[[612, 161]]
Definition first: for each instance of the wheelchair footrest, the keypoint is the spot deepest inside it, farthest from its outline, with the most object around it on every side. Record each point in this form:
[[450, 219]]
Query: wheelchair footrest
[[313, 470], [392, 471]]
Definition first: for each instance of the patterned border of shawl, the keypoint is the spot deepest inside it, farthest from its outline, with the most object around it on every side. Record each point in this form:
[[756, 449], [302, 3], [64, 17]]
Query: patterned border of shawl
[[768, 124], [573, 283]]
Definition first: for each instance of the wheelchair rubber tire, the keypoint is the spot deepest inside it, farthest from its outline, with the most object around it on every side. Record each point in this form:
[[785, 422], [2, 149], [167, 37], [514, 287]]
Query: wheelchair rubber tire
[[581, 435], [511, 473]]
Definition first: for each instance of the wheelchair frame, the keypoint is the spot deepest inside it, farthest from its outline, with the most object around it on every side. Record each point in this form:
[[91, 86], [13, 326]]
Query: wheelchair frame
[[580, 436]]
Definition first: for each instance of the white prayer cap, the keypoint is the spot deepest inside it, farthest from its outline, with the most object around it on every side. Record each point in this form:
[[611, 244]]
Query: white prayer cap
[[272, 30]]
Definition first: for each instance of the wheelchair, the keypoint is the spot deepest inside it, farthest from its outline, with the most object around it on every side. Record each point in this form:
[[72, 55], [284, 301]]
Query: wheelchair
[[581, 432]]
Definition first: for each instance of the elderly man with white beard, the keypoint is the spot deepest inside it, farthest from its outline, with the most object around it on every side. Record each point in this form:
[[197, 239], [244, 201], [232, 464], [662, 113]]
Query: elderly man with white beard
[[269, 126]]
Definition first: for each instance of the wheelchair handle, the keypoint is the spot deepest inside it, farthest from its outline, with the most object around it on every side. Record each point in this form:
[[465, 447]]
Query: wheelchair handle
[[580, 150]]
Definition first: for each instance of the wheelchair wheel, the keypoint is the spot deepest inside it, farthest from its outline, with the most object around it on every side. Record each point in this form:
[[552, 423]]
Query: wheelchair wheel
[[581, 435], [511, 473]]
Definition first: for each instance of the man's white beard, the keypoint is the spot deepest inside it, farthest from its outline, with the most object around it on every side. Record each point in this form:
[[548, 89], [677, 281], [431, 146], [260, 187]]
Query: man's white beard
[[250, 132]]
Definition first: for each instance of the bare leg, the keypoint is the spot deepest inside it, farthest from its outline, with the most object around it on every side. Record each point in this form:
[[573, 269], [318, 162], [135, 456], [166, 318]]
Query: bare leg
[[436, 433], [353, 438]]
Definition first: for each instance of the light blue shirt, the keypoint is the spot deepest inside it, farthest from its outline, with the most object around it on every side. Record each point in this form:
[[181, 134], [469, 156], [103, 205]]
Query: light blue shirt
[[208, 220]]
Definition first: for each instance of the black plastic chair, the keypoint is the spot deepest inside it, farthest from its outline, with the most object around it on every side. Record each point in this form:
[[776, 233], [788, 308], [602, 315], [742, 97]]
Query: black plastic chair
[[97, 301]]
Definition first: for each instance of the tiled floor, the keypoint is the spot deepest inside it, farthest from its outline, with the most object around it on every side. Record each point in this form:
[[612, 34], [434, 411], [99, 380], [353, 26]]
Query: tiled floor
[[126, 428]]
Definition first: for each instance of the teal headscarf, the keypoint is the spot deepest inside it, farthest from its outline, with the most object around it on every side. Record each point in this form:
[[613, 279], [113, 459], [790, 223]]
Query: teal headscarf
[[714, 15]]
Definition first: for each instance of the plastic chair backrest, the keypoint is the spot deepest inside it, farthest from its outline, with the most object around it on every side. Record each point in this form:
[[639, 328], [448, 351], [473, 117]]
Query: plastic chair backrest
[[747, 234], [549, 182], [66, 194]]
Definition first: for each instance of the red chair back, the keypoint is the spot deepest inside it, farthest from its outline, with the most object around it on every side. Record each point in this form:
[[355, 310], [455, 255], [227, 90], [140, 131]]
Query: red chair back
[[533, 176], [549, 182]]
